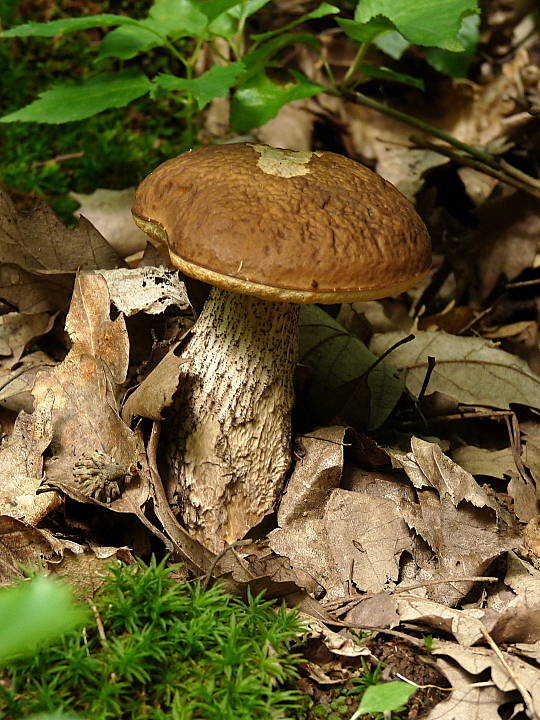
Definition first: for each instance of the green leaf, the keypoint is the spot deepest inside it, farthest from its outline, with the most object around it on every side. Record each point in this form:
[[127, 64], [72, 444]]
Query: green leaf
[[452, 63], [33, 612], [260, 99], [66, 104], [177, 18], [393, 44], [59, 27], [257, 61], [387, 696], [365, 32], [226, 24], [322, 11], [384, 73], [127, 42], [422, 22], [341, 383], [212, 84]]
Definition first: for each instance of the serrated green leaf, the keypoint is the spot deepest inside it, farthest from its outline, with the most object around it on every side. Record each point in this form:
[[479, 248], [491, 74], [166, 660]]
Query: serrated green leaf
[[452, 63], [260, 99], [422, 22], [226, 24], [66, 104], [66, 25], [322, 11], [387, 696], [212, 84], [392, 43], [127, 42], [257, 61], [365, 32], [341, 384], [384, 73]]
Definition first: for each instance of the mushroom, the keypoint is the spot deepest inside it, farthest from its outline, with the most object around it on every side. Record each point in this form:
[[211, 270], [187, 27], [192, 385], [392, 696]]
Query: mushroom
[[270, 229]]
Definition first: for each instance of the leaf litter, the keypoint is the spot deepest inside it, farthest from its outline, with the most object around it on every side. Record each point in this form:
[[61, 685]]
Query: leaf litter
[[428, 525]]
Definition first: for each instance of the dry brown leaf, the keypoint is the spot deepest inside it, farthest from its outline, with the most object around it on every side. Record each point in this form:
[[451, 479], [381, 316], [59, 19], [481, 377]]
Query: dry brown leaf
[[18, 331], [525, 495], [467, 702], [156, 390], [481, 461], [35, 292], [479, 659], [21, 466], [21, 546], [17, 380], [37, 240], [301, 534], [93, 450], [109, 211], [506, 238], [427, 466]]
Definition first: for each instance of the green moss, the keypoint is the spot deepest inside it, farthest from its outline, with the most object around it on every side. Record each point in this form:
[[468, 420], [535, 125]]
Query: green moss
[[166, 650]]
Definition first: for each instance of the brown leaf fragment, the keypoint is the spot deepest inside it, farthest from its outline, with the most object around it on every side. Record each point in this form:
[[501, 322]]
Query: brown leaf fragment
[[156, 390], [380, 610], [35, 292], [21, 546], [477, 660], [467, 702], [87, 570], [464, 625], [531, 535], [18, 331], [37, 240], [464, 542], [524, 579], [17, 380], [21, 463], [525, 495]]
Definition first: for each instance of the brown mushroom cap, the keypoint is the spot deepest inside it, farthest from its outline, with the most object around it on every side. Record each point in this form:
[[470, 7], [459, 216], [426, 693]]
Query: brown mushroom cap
[[283, 225]]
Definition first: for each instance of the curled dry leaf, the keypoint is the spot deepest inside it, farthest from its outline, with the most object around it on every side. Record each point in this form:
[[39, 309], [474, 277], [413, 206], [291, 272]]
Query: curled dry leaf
[[156, 391], [470, 370], [18, 331], [148, 289], [81, 396]]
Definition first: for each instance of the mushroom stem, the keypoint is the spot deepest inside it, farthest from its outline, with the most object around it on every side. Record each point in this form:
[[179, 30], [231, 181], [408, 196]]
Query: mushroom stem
[[230, 450]]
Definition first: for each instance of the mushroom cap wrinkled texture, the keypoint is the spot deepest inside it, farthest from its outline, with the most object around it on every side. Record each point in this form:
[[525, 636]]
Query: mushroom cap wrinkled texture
[[284, 225]]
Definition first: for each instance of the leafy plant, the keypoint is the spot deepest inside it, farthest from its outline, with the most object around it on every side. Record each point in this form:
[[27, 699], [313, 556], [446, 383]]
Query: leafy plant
[[379, 697], [244, 70], [163, 650]]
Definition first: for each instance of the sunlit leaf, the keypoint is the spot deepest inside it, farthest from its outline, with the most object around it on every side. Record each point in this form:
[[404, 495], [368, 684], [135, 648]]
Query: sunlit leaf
[[66, 104]]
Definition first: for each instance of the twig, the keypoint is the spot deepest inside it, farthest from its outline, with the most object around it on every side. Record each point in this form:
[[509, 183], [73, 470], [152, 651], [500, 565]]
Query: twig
[[531, 712], [58, 159], [499, 174], [505, 172], [99, 624]]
